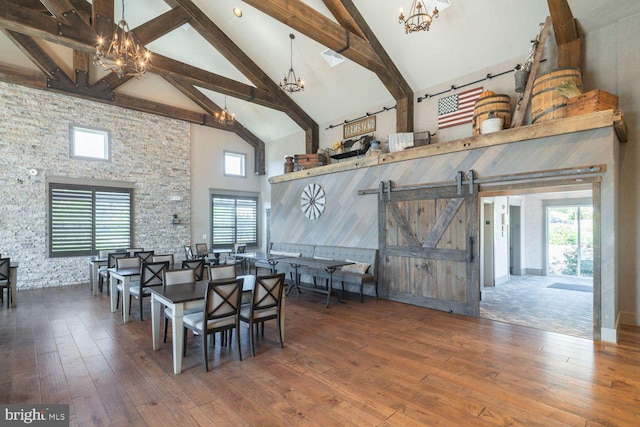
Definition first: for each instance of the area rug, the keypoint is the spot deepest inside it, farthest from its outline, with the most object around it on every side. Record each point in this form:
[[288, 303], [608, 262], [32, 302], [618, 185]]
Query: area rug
[[571, 287]]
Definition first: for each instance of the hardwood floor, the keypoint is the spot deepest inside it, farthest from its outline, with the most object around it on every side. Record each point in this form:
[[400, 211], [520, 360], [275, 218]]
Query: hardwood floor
[[377, 363]]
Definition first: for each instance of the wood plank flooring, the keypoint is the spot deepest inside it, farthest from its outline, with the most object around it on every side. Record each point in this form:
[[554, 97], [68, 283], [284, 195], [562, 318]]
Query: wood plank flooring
[[374, 364]]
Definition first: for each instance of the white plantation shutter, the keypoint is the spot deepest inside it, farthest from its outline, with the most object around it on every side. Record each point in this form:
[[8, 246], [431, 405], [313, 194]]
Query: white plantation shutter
[[86, 219], [234, 220]]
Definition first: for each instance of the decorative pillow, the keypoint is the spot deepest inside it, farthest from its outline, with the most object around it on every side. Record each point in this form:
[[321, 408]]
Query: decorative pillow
[[357, 267], [287, 254]]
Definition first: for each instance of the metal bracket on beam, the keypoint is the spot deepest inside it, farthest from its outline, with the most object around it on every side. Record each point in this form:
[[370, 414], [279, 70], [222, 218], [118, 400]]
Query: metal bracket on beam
[[348, 41], [459, 178], [470, 179]]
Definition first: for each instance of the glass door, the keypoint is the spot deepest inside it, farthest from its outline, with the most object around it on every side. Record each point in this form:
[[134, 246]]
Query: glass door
[[570, 240]]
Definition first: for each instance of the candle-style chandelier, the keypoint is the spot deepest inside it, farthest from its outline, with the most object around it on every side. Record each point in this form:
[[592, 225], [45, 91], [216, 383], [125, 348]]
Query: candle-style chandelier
[[223, 117], [291, 83], [418, 20], [124, 55]]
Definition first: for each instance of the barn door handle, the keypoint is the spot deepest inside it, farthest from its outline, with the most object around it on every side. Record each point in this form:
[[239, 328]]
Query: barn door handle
[[470, 248]]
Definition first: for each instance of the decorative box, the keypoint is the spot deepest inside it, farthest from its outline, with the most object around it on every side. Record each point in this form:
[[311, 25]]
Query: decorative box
[[590, 102], [307, 161]]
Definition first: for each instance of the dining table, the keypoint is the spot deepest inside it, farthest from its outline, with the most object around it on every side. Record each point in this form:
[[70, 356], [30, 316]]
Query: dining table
[[95, 263], [126, 276], [180, 297], [250, 257], [329, 266]]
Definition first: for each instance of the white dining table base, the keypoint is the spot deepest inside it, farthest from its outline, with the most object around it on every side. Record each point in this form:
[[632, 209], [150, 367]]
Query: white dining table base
[[94, 267], [126, 282], [177, 328]]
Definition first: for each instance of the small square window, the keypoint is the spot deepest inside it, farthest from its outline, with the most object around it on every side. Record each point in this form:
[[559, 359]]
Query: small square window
[[234, 164], [92, 144]]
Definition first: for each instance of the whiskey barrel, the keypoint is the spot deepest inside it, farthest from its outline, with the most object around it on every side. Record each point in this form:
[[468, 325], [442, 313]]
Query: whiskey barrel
[[546, 102], [500, 105]]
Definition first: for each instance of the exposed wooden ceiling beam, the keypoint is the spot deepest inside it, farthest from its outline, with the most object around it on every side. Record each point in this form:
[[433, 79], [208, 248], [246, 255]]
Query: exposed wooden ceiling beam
[[391, 77], [33, 51], [35, 24], [37, 80], [567, 35], [343, 17], [57, 8], [318, 27], [38, 25], [223, 44], [211, 107], [167, 67], [161, 25]]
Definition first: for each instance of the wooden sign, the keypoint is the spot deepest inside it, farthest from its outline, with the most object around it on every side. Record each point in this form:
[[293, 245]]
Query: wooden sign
[[359, 127]]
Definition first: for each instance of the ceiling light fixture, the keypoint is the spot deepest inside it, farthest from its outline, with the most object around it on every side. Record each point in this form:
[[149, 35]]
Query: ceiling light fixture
[[237, 11], [223, 117], [417, 19], [124, 55], [290, 83]]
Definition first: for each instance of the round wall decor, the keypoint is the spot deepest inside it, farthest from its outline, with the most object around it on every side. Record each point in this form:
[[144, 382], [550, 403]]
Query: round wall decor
[[312, 201]]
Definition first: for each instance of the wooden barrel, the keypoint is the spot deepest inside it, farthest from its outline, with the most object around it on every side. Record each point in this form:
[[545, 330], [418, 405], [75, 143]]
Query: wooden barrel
[[499, 104], [546, 102]]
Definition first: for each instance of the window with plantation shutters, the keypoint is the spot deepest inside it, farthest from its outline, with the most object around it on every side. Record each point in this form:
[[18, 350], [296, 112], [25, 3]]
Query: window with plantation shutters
[[86, 219], [234, 220]]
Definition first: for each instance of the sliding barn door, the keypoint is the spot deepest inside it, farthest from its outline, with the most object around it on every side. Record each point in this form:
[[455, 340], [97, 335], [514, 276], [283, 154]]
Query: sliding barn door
[[428, 245]]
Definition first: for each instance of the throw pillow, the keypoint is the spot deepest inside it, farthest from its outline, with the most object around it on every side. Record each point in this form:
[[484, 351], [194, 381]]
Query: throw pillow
[[357, 267]]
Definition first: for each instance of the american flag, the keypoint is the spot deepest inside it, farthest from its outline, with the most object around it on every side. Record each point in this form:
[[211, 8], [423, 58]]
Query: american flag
[[457, 109]]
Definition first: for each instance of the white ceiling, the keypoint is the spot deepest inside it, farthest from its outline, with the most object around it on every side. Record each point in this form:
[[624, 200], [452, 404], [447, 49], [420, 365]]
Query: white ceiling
[[468, 36]]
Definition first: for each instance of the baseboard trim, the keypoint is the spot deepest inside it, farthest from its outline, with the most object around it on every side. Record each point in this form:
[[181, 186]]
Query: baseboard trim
[[629, 318], [500, 280]]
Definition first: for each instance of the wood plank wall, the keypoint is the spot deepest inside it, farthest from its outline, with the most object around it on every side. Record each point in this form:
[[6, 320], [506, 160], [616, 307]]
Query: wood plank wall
[[351, 219]]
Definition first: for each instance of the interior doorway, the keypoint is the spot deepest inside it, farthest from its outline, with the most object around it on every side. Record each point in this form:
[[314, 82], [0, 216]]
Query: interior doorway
[[542, 259]]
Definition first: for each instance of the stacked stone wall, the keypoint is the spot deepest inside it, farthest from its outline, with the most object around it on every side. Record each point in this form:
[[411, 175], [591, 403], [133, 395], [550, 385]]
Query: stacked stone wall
[[151, 152]]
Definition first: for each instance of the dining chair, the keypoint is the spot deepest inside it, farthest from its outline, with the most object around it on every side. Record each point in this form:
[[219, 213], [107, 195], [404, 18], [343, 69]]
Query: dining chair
[[5, 280], [103, 273], [162, 258], [175, 277], [222, 272], [240, 248], [126, 262], [266, 304], [150, 275], [188, 253], [201, 250], [197, 265], [132, 251], [145, 256], [220, 313]]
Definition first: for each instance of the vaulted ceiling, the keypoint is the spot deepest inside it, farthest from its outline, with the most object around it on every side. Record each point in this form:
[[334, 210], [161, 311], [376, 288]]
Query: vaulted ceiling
[[202, 52]]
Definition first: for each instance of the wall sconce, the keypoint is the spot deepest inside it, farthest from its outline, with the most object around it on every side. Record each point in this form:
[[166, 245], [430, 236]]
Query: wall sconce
[[176, 220]]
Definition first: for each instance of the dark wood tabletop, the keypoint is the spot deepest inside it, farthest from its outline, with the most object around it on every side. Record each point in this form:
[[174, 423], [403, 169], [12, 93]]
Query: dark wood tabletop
[[183, 292]]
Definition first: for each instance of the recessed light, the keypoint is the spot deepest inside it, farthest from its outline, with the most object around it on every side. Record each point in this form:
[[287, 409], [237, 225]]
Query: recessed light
[[237, 11]]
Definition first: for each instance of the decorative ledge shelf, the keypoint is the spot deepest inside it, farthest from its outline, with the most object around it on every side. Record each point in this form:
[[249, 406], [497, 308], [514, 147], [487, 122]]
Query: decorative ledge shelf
[[584, 122]]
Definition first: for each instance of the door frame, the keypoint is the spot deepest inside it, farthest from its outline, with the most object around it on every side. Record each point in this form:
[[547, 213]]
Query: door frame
[[592, 183]]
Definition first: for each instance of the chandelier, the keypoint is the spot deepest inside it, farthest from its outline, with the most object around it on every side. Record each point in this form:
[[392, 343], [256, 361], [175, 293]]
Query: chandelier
[[123, 56], [223, 117], [417, 19], [290, 83]]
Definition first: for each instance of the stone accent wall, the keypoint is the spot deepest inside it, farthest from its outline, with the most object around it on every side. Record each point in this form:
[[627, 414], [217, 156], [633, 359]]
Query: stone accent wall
[[149, 151]]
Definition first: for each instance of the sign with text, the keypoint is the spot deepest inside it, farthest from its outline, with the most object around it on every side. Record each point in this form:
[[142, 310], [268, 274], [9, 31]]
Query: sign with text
[[34, 415], [359, 127]]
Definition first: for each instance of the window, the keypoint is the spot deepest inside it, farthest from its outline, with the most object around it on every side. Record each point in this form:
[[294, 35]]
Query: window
[[234, 220], [85, 219], [90, 144], [234, 164]]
